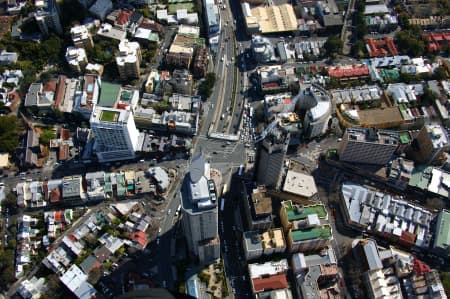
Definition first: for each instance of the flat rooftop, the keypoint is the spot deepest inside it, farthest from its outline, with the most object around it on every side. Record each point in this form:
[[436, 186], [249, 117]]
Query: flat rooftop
[[300, 184], [261, 203], [379, 116], [438, 135], [108, 95], [298, 213], [274, 18], [110, 116], [319, 232]]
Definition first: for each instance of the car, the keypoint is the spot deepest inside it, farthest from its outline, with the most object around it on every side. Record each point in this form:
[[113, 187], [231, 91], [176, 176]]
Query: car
[[169, 211], [214, 153]]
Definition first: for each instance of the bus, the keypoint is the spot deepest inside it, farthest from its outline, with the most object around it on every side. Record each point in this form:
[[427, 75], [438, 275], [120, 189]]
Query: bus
[[222, 204], [241, 169], [225, 189], [177, 212]]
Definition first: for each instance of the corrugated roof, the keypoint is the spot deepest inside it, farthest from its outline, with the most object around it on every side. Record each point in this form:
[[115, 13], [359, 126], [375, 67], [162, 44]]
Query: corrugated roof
[[442, 236]]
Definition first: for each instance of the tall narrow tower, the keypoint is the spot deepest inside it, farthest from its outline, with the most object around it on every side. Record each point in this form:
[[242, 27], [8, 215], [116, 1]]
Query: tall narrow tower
[[272, 152], [200, 212]]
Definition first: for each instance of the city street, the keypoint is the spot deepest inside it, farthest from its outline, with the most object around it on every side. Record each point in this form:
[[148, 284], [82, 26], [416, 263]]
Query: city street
[[230, 234]]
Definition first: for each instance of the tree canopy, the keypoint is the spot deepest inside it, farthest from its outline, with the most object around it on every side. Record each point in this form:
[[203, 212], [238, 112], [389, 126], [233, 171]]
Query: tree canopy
[[409, 43], [205, 88], [333, 46], [9, 137]]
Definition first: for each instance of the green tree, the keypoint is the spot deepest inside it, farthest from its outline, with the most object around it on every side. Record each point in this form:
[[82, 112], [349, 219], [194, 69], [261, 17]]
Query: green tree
[[440, 74], [10, 203], [408, 43], [428, 96], [162, 106], [445, 278], [46, 136], [9, 137], [333, 46], [206, 86], [403, 19], [358, 48]]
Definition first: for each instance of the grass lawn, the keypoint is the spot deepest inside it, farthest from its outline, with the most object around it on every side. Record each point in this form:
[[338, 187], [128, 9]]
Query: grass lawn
[[187, 5], [108, 115]]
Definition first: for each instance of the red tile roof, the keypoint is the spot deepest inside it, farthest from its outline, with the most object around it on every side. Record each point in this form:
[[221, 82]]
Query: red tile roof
[[139, 237], [381, 47], [59, 216], [420, 267], [124, 17], [273, 282], [348, 71], [50, 86], [60, 90], [55, 195], [64, 134], [407, 238]]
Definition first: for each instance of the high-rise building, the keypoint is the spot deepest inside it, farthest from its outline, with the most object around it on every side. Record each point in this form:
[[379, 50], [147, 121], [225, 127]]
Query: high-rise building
[[47, 17], [81, 37], [429, 145], [116, 136], [368, 146], [318, 114], [200, 212], [272, 152], [212, 22], [129, 59]]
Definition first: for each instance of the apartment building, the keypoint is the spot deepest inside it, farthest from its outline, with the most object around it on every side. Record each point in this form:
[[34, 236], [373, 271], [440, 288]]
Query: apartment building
[[129, 59], [267, 243], [316, 274], [47, 17], [269, 276], [86, 97], [429, 145], [81, 37], [306, 227], [368, 146], [258, 209], [76, 58]]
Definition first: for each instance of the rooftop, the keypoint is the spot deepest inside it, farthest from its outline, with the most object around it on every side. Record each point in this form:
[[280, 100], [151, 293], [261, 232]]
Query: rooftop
[[295, 212], [262, 204], [268, 268], [438, 135], [108, 94], [372, 135], [442, 235], [384, 213], [271, 19], [109, 116], [300, 184], [312, 233], [272, 282]]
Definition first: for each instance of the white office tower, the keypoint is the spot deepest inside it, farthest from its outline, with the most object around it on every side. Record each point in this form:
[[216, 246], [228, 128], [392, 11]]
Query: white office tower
[[200, 212], [115, 133], [47, 17], [129, 59]]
